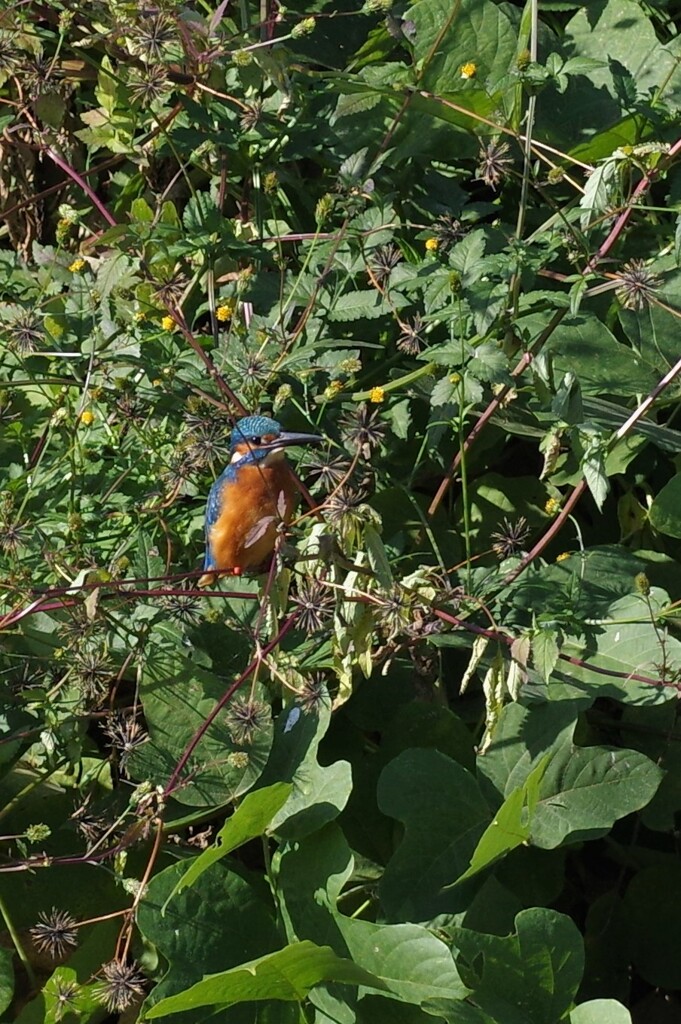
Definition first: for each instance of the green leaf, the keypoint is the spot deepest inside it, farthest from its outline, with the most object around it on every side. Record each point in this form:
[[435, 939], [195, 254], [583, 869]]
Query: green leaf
[[413, 965], [448, 37], [528, 978], [628, 645], [545, 652], [622, 30], [665, 511], [249, 820], [583, 789], [177, 695], [584, 346], [288, 974], [226, 914], [6, 979], [600, 1011], [511, 825], [366, 304], [319, 792], [432, 796]]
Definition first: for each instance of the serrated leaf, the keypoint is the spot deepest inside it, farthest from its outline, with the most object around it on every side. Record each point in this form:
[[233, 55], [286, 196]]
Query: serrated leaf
[[545, 652], [600, 191], [595, 474], [367, 304]]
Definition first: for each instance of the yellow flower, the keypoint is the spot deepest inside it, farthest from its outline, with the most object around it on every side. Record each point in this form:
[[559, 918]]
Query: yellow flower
[[377, 395], [432, 245], [468, 69], [139, 316], [87, 418], [77, 266], [563, 555], [167, 323], [552, 506], [224, 312]]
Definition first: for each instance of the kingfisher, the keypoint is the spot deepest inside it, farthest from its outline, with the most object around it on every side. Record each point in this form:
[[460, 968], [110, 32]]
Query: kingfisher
[[249, 500]]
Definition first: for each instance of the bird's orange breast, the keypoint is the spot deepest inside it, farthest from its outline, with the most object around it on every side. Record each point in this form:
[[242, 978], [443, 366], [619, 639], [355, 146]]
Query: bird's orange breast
[[252, 507]]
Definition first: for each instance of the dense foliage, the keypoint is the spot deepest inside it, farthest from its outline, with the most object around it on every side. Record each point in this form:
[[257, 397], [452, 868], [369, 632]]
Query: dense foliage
[[426, 767]]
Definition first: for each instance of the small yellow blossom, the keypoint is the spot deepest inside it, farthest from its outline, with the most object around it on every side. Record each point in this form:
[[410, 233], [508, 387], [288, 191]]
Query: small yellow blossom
[[563, 555], [552, 507], [224, 312], [87, 418], [432, 244], [377, 395], [139, 316], [77, 265], [468, 69], [167, 323], [157, 382]]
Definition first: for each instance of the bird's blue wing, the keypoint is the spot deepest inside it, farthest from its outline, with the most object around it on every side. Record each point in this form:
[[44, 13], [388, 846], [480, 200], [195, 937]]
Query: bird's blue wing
[[213, 510]]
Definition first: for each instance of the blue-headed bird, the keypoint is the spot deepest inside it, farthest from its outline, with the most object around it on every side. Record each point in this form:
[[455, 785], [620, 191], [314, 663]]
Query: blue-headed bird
[[251, 498]]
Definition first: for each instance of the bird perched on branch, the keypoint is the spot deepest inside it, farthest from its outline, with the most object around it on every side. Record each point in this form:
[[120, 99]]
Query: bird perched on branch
[[252, 497]]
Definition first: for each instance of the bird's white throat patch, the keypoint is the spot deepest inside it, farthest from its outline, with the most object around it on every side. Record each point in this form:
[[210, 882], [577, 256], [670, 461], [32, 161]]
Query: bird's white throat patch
[[276, 455]]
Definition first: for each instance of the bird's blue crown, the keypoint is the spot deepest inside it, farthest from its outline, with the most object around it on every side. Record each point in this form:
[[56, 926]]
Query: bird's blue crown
[[250, 429]]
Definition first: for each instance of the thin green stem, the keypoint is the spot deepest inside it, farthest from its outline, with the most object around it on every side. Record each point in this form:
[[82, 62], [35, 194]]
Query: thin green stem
[[16, 941]]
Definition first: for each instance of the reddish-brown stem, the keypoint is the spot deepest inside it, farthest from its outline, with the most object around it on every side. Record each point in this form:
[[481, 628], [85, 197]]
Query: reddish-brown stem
[[82, 183], [503, 638], [225, 699], [605, 247], [235, 404]]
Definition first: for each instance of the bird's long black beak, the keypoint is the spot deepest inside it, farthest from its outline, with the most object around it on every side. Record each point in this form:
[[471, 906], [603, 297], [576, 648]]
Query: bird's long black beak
[[289, 439]]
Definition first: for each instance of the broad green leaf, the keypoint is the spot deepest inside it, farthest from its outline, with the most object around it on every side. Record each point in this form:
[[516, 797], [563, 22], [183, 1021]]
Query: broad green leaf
[[621, 29], [288, 974], [650, 906], [586, 347], [627, 644], [530, 977], [600, 1011], [249, 820], [6, 979], [413, 965], [511, 825], [432, 796], [226, 915], [448, 36], [665, 511], [583, 789], [177, 695], [319, 792]]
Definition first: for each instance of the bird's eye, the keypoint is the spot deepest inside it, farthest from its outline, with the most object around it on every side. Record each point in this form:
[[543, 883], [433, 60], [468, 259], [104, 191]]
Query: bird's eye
[[256, 440]]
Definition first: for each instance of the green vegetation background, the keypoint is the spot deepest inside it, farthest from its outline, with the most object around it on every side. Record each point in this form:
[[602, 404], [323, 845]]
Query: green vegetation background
[[427, 767]]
